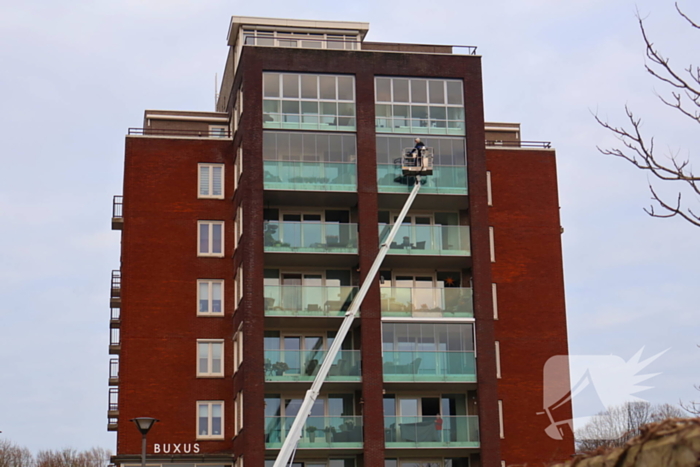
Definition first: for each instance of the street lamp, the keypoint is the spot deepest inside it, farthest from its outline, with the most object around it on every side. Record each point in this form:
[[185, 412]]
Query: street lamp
[[144, 425]]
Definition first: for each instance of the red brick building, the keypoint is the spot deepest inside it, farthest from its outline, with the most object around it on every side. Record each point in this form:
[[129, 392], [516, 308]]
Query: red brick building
[[247, 231]]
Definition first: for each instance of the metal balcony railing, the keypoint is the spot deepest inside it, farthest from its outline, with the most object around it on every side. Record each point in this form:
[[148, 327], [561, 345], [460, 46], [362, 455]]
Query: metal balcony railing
[[113, 404], [114, 316], [112, 423], [520, 144], [117, 204], [117, 213], [211, 133], [115, 295], [114, 341], [113, 371]]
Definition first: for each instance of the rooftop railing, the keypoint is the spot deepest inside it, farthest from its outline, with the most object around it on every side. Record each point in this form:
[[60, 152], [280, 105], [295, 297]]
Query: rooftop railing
[[211, 133], [520, 144]]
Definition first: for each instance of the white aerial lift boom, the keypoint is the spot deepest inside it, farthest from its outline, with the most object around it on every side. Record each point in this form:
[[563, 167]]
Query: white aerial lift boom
[[415, 162]]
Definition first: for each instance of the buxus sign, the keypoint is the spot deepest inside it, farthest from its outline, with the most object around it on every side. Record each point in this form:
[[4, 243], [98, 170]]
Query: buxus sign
[[175, 448]]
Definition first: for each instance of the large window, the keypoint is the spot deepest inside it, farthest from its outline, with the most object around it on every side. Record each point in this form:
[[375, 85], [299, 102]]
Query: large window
[[210, 238], [210, 297], [308, 102], [211, 181], [449, 171], [210, 357], [429, 337], [419, 106], [210, 420], [309, 161]]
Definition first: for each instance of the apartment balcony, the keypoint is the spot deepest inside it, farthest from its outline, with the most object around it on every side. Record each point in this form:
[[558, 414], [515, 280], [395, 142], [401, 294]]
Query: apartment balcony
[[429, 366], [113, 408], [117, 213], [113, 371], [303, 365], [445, 180], [115, 295], [115, 319], [309, 176], [115, 344], [454, 431], [428, 240], [434, 302], [343, 432], [306, 300], [112, 423], [310, 237]]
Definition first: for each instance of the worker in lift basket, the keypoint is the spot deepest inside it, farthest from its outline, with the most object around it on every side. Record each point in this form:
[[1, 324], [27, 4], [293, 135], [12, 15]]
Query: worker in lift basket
[[417, 152]]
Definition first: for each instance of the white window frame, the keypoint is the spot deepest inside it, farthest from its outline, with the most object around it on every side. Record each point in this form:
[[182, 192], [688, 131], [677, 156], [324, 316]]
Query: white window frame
[[494, 296], [239, 285], [210, 404], [238, 416], [210, 188], [209, 373], [489, 196], [410, 128], [210, 296], [498, 359], [209, 252], [501, 431], [238, 349], [219, 131]]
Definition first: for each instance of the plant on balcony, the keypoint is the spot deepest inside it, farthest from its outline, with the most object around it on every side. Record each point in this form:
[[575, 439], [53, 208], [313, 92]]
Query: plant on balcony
[[280, 368], [267, 366], [330, 431], [311, 430]]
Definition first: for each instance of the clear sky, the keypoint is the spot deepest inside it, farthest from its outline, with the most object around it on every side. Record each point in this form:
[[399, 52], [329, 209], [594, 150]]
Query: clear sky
[[74, 75]]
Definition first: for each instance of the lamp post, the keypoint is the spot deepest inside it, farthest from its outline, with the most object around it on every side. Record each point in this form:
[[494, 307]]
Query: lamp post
[[144, 425]]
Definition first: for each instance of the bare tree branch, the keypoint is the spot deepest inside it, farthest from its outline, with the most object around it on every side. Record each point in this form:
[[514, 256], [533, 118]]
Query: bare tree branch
[[640, 151]]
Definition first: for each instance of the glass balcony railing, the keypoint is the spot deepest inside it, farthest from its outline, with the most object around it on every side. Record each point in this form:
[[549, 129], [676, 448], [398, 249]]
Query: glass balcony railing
[[310, 237], [424, 365], [306, 300], [303, 365], [309, 176], [431, 302], [444, 180], [432, 240], [319, 432], [433, 431]]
